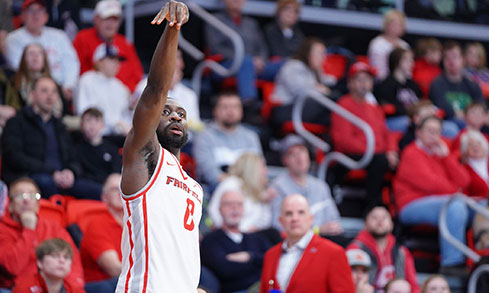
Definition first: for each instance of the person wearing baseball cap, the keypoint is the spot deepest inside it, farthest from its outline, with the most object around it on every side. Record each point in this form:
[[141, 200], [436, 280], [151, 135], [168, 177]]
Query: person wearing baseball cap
[[62, 57], [360, 263], [107, 20], [101, 89], [296, 179], [351, 140]]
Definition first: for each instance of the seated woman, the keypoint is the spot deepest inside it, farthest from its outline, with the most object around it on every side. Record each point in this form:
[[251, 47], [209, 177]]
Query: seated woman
[[476, 66], [475, 152], [300, 74], [399, 89], [33, 65], [249, 175], [427, 176]]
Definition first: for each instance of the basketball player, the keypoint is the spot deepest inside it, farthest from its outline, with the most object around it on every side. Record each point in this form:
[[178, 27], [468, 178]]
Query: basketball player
[[163, 205]]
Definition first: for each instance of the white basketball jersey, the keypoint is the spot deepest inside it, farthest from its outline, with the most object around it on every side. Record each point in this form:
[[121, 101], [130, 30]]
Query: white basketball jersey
[[160, 241]]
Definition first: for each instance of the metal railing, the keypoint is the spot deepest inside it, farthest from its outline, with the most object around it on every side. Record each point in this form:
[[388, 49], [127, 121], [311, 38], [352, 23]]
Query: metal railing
[[325, 147], [236, 41], [445, 233], [472, 285]]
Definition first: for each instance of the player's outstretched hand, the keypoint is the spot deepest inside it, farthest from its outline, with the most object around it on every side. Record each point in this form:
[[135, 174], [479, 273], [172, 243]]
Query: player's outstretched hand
[[176, 13]]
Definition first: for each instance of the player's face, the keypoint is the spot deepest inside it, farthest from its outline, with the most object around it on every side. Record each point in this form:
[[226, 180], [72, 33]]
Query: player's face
[[231, 208], [173, 128], [379, 222], [56, 265], [228, 111], [23, 199], [437, 285], [295, 217]]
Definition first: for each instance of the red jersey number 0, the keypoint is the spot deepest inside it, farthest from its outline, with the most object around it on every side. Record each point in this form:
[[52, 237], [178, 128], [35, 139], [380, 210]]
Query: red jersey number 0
[[188, 221]]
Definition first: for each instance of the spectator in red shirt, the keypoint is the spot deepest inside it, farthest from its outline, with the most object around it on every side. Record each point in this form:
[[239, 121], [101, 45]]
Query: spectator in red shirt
[[474, 149], [106, 21], [390, 260], [427, 176], [304, 262], [427, 64], [350, 140], [54, 258], [100, 247], [21, 230]]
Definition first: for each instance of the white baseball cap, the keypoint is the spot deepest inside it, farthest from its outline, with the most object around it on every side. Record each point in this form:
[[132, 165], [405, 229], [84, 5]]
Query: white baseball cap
[[108, 8], [358, 257]]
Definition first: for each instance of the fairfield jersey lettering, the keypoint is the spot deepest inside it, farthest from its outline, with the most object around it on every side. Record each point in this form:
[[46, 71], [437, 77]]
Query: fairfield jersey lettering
[[182, 185]]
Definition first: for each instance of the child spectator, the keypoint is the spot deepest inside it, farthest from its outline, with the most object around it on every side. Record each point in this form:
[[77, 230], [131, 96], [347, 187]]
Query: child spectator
[[427, 64], [399, 89], [435, 284], [54, 257], [101, 89], [98, 158]]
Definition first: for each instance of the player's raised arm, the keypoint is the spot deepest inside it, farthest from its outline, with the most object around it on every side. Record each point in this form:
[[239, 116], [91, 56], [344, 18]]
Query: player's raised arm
[[152, 102]]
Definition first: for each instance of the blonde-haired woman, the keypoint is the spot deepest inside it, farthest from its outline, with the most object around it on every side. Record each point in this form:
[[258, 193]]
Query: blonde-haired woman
[[382, 45], [474, 148], [476, 65], [249, 175]]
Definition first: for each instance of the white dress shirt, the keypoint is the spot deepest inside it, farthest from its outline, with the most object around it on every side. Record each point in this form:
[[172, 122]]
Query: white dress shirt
[[290, 258]]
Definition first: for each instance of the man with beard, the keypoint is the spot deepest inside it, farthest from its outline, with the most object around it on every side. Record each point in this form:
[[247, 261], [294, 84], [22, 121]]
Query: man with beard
[[163, 205], [390, 260], [223, 140]]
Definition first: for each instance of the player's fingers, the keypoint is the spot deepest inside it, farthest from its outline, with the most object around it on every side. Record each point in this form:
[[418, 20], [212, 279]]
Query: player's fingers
[[163, 14], [172, 12], [156, 17], [180, 15]]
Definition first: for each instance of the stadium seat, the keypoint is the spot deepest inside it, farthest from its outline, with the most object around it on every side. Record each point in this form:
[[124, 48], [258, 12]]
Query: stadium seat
[[79, 211], [52, 212]]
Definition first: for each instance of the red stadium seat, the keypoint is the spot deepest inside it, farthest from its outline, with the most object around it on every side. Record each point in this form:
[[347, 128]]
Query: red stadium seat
[[80, 211], [52, 212]]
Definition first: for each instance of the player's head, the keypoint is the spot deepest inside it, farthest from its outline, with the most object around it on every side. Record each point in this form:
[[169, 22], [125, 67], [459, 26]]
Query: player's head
[[172, 131], [54, 258]]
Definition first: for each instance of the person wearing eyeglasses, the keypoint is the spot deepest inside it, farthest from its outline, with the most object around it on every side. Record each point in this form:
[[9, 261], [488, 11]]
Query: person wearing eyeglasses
[[22, 230]]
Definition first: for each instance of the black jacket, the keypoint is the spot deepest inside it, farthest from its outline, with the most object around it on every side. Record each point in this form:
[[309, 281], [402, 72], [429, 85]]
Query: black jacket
[[23, 147]]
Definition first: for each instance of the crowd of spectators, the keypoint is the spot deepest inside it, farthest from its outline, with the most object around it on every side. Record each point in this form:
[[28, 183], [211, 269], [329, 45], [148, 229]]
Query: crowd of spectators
[[66, 103]]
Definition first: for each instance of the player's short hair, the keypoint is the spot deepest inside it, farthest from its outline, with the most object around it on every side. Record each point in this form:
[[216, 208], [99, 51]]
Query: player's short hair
[[23, 180], [51, 246], [94, 112]]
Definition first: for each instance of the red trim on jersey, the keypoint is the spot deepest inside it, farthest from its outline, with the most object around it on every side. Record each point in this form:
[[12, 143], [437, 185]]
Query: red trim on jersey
[[145, 214], [152, 181], [131, 261], [179, 167]]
